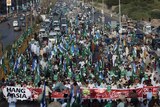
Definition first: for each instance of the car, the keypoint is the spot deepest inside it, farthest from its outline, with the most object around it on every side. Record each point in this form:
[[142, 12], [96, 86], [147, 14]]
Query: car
[[42, 33], [22, 18], [56, 23], [57, 30], [156, 43], [23, 24], [24, 9], [16, 26], [52, 34]]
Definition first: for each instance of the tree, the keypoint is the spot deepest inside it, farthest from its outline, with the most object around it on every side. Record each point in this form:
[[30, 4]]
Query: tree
[[111, 3], [155, 14]]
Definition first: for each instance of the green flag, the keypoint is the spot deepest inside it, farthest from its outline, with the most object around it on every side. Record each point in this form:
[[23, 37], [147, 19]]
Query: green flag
[[108, 104], [55, 77], [146, 77], [77, 78], [123, 72], [69, 74], [37, 79], [109, 88], [92, 76]]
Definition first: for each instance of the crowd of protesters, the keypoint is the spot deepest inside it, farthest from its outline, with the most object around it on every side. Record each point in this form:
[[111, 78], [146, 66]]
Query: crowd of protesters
[[89, 57]]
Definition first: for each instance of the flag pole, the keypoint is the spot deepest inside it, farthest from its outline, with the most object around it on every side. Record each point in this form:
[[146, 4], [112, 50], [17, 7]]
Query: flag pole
[[17, 5]]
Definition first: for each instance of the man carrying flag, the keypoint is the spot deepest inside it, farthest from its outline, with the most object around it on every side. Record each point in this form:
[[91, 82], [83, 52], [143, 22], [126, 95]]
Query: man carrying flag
[[45, 95], [2, 65], [43, 101], [75, 97], [16, 66]]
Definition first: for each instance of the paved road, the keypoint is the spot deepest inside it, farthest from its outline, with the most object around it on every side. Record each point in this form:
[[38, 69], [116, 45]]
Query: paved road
[[8, 35]]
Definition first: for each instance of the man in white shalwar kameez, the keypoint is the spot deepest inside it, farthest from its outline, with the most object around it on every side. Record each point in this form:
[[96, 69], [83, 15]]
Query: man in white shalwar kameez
[[34, 48], [127, 51], [113, 59], [38, 51]]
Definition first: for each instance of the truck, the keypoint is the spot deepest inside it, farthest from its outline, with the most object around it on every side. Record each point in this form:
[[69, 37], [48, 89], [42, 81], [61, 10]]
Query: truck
[[145, 27]]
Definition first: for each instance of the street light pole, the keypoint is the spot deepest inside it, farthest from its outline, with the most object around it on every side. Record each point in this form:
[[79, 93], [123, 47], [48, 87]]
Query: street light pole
[[103, 15], [7, 11], [120, 24], [17, 5]]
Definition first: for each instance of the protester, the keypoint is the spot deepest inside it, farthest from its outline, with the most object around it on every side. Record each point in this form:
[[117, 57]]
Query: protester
[[120, 103], [144, 104], [75, 95], [12, 100], [86, 57], [149, 95], [46, 94]]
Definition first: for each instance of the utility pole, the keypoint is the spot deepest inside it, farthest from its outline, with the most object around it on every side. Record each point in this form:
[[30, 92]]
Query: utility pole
[[120, 23], [26, 22], [103, 18], [7, 10], [8, 4]]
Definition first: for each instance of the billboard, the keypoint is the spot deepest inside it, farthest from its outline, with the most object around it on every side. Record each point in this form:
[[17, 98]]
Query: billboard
[[9, 2]]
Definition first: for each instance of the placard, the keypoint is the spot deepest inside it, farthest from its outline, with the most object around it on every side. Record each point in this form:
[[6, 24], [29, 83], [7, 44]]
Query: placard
[[20, 93]]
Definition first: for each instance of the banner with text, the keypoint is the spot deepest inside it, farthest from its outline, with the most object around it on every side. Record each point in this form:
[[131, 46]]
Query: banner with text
[[102, 93], [20, 93], [95, 93]]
